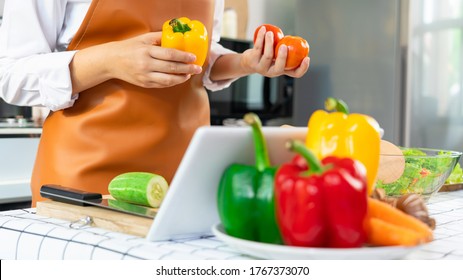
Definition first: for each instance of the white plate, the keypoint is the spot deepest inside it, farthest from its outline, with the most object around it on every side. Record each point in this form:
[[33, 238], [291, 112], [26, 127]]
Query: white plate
[[282, 252]]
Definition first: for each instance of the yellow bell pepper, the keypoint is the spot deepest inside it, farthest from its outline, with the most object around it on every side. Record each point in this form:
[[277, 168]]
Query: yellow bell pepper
[[345, 135], [186, 35]]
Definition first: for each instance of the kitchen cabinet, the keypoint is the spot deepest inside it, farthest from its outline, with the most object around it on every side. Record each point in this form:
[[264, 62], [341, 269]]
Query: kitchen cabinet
[[235, 19], [18, 147]]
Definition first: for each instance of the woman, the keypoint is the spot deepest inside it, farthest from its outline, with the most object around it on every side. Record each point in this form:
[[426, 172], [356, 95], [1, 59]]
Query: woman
[[119, 101]]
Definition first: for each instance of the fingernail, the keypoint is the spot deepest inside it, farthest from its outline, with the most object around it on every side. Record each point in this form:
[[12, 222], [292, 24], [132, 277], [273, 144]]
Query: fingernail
[[307, 60], [192, 57], [198, 69], [283, 48]]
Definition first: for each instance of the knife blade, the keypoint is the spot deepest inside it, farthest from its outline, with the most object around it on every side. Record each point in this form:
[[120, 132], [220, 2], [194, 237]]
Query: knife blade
[[83, 198]]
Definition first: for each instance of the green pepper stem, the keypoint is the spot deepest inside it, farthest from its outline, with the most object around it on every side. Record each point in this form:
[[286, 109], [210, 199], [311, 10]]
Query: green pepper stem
[[334, 104], [315, 166], [178, 26], [260, 146]]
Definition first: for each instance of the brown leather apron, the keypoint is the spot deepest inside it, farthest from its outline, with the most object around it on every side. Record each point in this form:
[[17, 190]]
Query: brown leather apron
[[117, 127]]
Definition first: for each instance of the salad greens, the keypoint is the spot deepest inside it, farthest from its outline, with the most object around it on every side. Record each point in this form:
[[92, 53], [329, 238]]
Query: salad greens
[[456, 176], [422, 174]]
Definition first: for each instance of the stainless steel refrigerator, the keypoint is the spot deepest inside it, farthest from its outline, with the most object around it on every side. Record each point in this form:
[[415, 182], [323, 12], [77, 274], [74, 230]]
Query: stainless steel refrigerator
[[399, 61], [356, 55]]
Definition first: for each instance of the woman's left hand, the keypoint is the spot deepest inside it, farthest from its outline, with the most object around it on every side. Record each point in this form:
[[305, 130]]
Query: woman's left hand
[[260, 60]]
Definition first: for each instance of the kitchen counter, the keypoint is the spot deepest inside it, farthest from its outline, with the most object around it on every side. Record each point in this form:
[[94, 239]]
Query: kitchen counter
[[31, 131], [26, 235]]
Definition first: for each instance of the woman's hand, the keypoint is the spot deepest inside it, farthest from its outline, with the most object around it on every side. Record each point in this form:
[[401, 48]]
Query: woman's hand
[[142, 62], [139, 61], [259, 59]]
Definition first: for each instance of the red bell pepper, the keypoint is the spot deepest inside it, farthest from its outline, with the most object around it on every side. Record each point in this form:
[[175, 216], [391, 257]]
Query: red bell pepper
[[323, 204]]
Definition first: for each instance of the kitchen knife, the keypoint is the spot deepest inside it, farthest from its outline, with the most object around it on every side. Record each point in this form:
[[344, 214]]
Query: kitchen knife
[[82, 198]]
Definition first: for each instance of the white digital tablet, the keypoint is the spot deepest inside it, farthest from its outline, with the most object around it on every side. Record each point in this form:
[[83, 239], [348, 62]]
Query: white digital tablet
[[190, 205]]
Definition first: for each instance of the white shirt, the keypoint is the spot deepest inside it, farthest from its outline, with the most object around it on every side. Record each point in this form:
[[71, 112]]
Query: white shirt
[[34, 63]]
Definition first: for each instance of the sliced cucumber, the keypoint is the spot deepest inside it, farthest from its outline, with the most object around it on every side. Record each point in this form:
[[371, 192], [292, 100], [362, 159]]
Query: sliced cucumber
[[141, 188]]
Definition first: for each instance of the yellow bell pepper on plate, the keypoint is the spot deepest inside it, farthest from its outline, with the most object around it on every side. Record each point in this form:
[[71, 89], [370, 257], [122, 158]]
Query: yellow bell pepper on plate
[[345, 135], [186, 35]]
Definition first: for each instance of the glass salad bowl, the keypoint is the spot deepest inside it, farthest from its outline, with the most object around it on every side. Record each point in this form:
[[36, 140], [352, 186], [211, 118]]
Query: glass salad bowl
[[418, 170]]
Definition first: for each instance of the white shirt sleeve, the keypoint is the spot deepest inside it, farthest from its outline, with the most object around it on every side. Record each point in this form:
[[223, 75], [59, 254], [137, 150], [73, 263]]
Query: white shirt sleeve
[[216, 51], [31, 72]]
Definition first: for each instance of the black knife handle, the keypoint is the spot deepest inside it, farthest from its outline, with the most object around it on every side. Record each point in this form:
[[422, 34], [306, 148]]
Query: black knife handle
[[68, 195]]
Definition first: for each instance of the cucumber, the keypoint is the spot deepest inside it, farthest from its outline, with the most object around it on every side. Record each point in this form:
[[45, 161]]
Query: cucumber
[[141, 188]]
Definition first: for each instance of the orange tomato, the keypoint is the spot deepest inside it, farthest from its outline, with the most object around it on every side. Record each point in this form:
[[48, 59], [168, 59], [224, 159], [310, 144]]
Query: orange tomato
[[298, 49], [277, 34]]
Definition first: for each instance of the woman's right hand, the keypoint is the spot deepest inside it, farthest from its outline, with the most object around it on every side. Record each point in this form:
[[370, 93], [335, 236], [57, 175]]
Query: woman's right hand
[[139, 60], [143, 62]]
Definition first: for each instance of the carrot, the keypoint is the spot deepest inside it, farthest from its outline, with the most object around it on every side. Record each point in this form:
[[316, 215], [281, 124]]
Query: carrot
[[382, 233], [393, 216]]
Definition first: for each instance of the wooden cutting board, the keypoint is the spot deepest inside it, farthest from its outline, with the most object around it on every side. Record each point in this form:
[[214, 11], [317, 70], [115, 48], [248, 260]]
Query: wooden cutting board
[[103, 218], [451, 187]]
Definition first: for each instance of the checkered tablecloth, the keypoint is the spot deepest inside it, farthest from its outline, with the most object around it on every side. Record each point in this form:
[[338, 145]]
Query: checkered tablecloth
[[25, 235]]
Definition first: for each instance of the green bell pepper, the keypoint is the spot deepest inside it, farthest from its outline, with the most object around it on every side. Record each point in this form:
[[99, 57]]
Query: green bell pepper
[[246, 201]]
